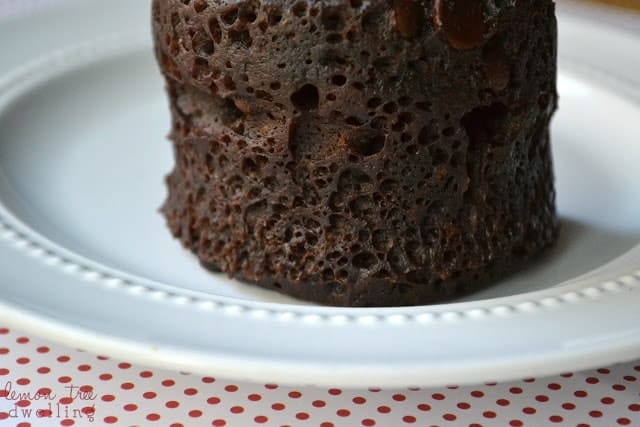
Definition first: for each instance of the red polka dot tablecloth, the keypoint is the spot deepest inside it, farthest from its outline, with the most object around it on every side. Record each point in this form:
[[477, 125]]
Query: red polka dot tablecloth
[[45, 384]]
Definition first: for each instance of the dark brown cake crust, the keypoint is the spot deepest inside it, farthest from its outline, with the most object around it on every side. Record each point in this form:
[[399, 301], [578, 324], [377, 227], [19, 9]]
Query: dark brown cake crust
[[361, 153]]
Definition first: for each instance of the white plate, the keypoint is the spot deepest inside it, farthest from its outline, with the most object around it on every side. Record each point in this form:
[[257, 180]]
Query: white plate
[[85, 258]]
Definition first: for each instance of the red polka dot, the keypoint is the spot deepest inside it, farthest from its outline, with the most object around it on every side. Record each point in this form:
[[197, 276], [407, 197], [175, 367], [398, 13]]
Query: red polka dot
[[23, 403], [475, 425], [409, 419], [437, 396], [176, 425], [67, 422], [127, 386], [153, 417], [23, 424], [231, 388], [108, 398], [554, 386], [172, 404], [608, 400], [149, 395], [66, 400], [424, 407], [568, 406], [623, 421], [515, 390], [319, 403], [64, 379], [359, 400], [124, 365], [634, 407], [4, 350], [516, 423], [213, 400], [463, 405], [4, 331], [619, 387], [503, 402], [343, 412], [23, 381], [542, 398], [44, 370], [477, 393], [449, 417], [604, 371], [42, 349], [399, 397], [335, 391], [168, 383], [102, 357], [130, 407], [583, 425], [208, 380], [190, 391], [302, 416], [489, 414], [236, 409], [374, 389], [529, 410], [529, 380], [595, 414], [295, 394], [254, 397], [23, 360], [195, 413], [63, 359], [556, 419], [384, 409], [219, 423], [368, 422], [146, 374], [4, 415], [580, 393], [22, 340], [327, 424], [261, 419], [592, 380], [110, 419], [630, 378], [271, 386], [4, 371], [278, 407], [105, 377]]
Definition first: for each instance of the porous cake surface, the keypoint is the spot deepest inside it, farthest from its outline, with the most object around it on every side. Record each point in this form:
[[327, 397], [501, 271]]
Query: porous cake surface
[[361, 153]]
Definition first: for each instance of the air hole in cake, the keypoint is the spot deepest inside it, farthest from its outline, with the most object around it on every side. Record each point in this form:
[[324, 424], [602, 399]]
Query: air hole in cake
[[247, 12], [229, 17], [201, 43], [274, 15], [339, 80], [306, 98], [484, 124], [241, 38], [331, 19], [299, 9], [367, 144]]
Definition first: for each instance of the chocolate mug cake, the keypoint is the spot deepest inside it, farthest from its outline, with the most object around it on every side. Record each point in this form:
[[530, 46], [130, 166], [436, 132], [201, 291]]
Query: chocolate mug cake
[[361, 152]]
